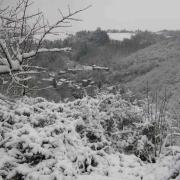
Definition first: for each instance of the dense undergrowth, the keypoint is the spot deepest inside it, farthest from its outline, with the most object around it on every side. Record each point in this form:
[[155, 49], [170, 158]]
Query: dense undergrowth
[[47, 140]]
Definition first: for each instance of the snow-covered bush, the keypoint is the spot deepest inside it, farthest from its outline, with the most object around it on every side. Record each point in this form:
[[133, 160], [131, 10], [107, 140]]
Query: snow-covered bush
[[38, 138], [41, 139]]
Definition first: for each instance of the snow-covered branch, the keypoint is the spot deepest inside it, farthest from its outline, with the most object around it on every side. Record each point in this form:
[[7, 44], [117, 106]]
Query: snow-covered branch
[[18, 30], [7, 64], [7, 18], [33, 53]]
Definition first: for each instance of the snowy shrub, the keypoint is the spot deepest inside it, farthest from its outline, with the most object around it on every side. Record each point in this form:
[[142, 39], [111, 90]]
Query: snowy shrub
[[41, 139]]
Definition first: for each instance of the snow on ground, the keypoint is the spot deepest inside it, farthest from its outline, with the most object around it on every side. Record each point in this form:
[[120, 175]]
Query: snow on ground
[[120, 36], [39, 140], [166, 168]]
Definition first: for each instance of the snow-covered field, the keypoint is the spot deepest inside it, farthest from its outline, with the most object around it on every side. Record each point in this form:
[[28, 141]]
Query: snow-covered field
[[113, 36], [41, 140], [120, 36]]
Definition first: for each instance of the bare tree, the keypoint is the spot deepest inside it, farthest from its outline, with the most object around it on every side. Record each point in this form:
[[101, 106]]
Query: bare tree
[[21, 36]]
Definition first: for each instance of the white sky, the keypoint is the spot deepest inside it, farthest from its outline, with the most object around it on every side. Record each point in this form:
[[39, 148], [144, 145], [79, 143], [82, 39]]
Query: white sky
[[119, 14]]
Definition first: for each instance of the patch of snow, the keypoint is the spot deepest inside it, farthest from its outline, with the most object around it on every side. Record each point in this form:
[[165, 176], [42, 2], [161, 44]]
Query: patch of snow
[[48, 79], [120, 36]]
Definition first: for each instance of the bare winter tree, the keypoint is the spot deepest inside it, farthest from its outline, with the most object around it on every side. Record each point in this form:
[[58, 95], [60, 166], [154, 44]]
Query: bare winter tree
[[21, 36]]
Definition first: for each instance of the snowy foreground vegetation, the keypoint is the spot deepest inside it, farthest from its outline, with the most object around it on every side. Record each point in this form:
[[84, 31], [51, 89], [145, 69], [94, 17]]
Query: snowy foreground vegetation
[[102, 138]]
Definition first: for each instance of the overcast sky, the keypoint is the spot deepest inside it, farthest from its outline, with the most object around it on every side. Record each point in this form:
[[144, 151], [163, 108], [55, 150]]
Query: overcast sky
[[119, 14]]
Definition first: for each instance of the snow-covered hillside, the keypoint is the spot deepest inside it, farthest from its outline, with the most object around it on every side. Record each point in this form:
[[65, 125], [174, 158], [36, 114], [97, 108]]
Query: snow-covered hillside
[[41, 140]]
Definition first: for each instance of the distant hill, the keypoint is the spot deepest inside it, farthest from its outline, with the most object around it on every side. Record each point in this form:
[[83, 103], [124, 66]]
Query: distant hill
[[97, 47], [146, 57], [169, 33], [159, 65]]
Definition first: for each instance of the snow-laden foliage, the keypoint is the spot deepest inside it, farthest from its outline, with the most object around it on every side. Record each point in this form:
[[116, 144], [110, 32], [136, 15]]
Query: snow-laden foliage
[[45, 140]]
